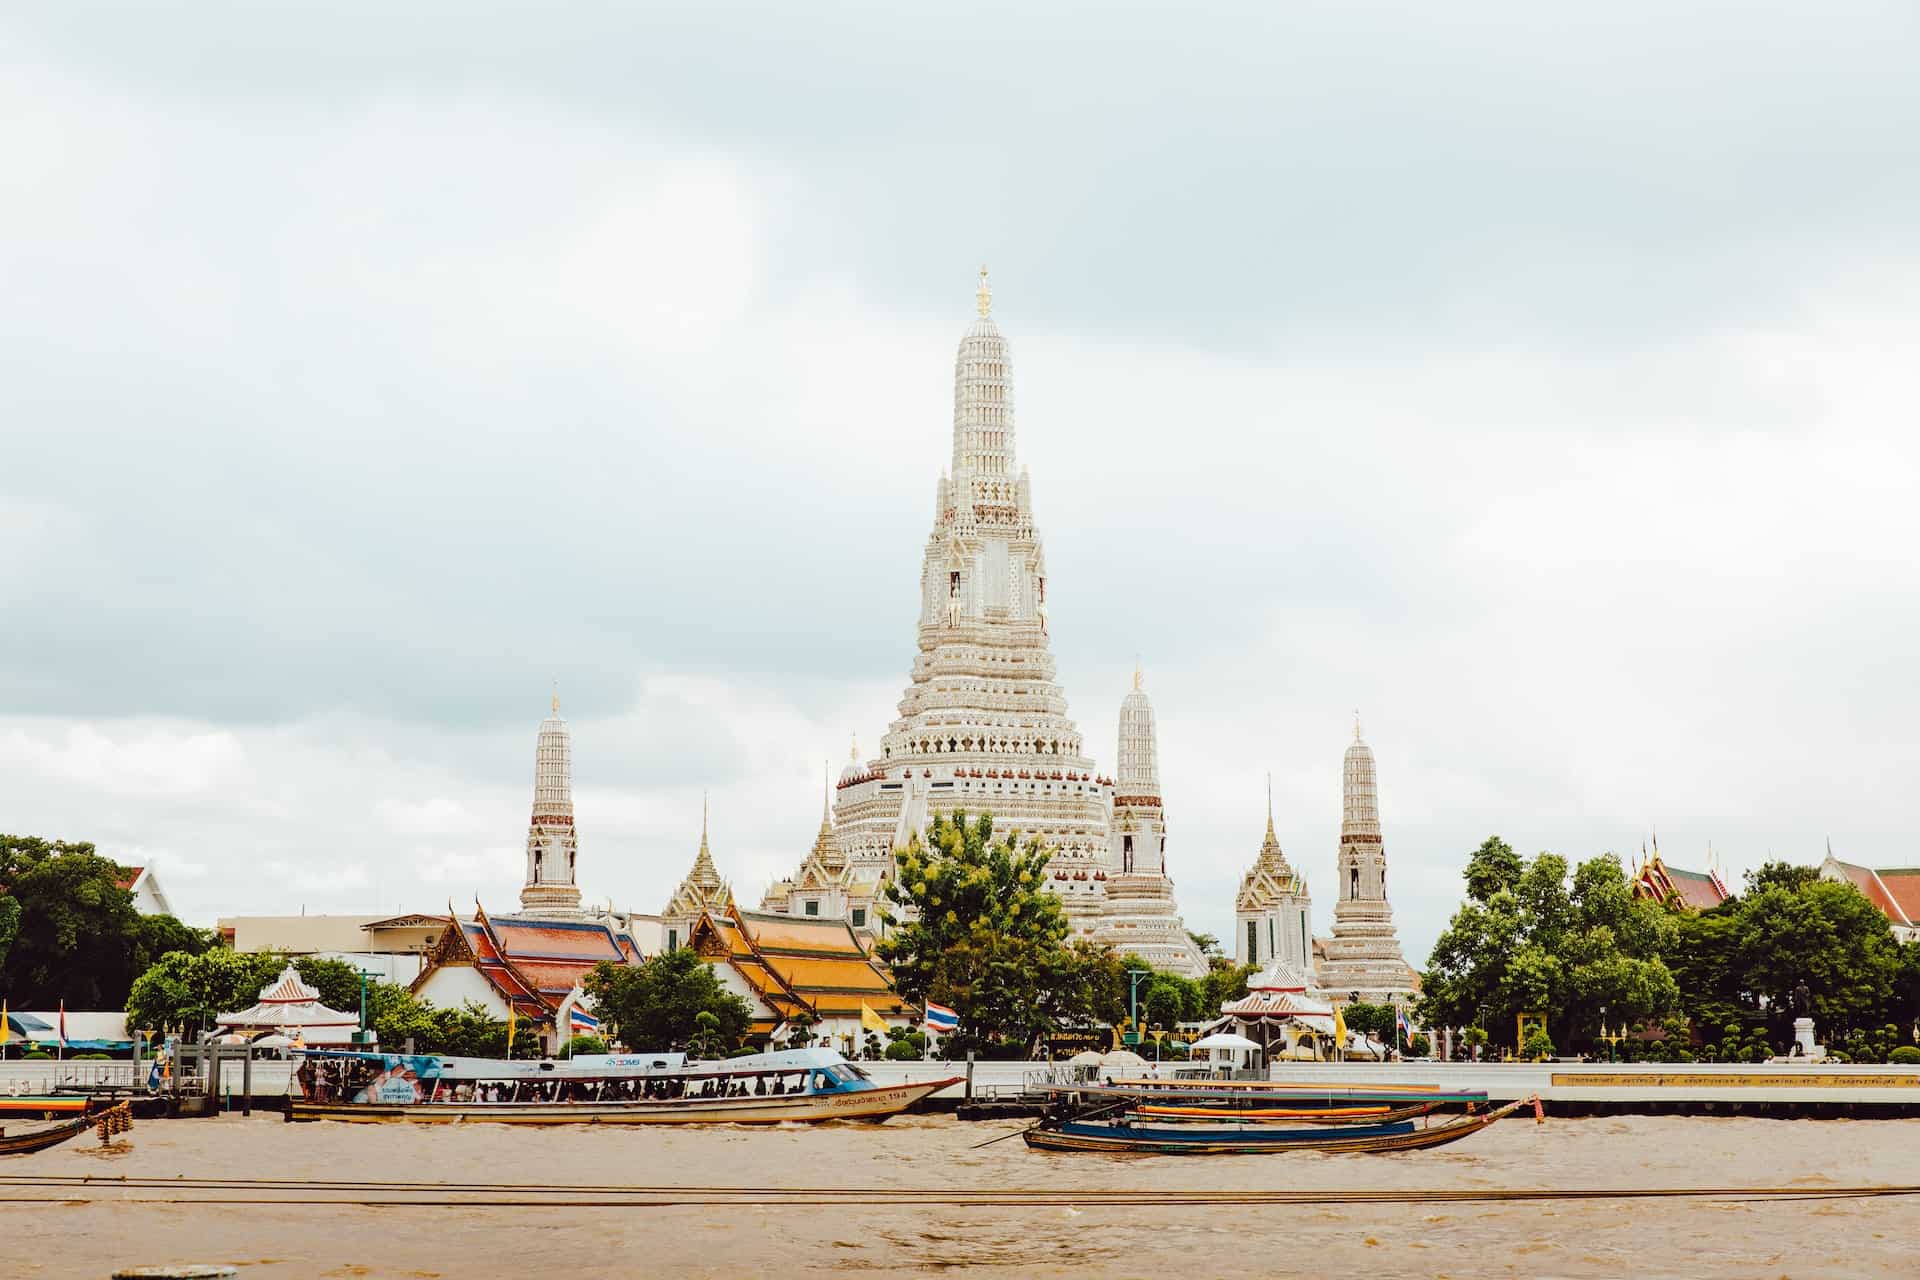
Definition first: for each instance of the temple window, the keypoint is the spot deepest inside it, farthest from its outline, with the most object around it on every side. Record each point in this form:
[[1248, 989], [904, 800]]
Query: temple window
[[859, 917], [673, 939], [1253, 942], [813, 906], [1353, 883]]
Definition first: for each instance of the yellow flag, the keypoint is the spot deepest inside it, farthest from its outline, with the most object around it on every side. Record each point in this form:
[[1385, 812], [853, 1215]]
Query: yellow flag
[[6, 1028], [871, 1020], [1339, 1027], [510, 1021]]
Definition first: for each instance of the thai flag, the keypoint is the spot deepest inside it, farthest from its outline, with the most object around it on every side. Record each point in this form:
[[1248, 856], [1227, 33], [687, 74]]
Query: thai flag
[[1401, 1025], [941, 1019], [581, 1021]]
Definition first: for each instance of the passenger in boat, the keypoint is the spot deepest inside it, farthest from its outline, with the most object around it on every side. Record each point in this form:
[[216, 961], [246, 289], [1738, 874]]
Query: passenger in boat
[[760, 1086]]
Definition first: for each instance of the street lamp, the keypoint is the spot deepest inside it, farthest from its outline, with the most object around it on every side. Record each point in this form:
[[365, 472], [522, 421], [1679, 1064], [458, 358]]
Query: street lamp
[[1133, 1001], [364, 975]]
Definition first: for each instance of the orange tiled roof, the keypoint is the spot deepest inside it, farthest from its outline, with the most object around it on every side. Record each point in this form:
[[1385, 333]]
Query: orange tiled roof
[[1903, 886], [1870, 882]]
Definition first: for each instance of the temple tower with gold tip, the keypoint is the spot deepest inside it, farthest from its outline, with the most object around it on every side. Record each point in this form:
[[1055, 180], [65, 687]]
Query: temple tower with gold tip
[[552, 844], [1363, 955], [1140, 917], [982, 726]]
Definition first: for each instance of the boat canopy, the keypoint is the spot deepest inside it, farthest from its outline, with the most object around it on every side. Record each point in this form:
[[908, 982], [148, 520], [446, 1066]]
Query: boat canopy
[[592, 1066]]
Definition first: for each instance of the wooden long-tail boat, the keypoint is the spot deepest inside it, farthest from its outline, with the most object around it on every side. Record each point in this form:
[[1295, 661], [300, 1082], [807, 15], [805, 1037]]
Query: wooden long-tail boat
[[1127, 1138], [51, 1135], [643, 1088], [1254, 1095], [1165, 1112]]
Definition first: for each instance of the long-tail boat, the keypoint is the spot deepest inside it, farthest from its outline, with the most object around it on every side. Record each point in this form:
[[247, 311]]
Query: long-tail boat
[[1167, 1113], [1124, 1136], [626, 1088], [50, 1135]]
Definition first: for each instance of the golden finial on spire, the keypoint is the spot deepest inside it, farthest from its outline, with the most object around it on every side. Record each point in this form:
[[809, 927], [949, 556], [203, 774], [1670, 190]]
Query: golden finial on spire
[[556, 696], [1356, 724], [853, 752], [1136, 675], [703, 822], [983, 296]]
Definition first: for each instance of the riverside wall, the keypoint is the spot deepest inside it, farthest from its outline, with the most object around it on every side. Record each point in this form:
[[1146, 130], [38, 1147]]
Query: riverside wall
[[1569, 1088]]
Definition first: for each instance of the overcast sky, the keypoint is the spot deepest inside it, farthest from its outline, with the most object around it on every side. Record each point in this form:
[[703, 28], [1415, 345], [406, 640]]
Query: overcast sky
[[1540, 384]]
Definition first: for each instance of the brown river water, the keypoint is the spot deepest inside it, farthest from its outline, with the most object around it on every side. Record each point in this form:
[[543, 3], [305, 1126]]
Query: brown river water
[[1803, 1237]]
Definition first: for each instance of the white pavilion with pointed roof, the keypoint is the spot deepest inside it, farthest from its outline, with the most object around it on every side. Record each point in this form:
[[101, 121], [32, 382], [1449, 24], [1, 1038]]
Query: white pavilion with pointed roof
[[982, 726], [290, 1007]]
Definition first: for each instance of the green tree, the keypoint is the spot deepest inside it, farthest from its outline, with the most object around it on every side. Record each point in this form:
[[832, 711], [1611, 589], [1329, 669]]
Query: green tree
[[583, 1045], [69, 932], [186, 993], [1492, 867], [1375, 1020], [1547, 939], [1209, 945], [338, 983], [657, 1005], [972, 925]]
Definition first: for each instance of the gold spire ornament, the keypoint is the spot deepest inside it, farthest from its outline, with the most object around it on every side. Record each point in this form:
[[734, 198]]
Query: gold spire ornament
[[983, 296]]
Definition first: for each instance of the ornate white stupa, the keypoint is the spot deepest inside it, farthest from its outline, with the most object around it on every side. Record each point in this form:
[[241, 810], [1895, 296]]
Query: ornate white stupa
[[982, 725], [1141, 916], [1273, 913], [550, 890], [1363, 955]]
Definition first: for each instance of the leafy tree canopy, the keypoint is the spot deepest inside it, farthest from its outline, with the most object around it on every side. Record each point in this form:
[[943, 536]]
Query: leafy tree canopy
[[184, 993], [973, 926], [657, 1005], [68, 931], [1539, 937]]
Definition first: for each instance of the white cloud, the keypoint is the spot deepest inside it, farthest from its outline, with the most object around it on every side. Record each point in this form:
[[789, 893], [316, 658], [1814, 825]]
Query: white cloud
[[351, 427]]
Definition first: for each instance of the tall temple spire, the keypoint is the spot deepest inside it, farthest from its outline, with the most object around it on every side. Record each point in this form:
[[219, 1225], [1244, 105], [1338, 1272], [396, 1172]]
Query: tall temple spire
[[982, 724], [1138, 762], [1140, 916], [551, 841], [984, 463], [1364, 952]]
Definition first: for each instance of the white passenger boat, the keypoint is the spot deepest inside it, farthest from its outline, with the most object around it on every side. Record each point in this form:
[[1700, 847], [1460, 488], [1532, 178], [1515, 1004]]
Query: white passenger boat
[[606, 1088]]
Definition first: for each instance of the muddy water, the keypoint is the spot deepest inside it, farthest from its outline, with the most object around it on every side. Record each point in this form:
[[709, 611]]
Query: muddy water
[[1600, 1238]]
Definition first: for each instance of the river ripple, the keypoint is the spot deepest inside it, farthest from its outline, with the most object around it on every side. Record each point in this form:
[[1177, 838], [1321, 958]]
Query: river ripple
[[1600, 1238]]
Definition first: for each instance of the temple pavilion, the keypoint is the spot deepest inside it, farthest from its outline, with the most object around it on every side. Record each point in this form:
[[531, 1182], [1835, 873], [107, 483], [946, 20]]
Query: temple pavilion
[[288, 1006], [1279, 1015]]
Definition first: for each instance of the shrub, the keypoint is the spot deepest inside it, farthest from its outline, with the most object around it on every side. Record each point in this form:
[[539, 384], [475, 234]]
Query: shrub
[[1905, 1056], [1539, 1045], [583, 1044], [41, 1054], [93, 1057]]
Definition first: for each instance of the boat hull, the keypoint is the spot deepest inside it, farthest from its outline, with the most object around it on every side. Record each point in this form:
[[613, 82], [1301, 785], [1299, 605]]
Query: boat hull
[[20, 1144], [1285, 1115], [1116, 1140], [863, 1104]]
